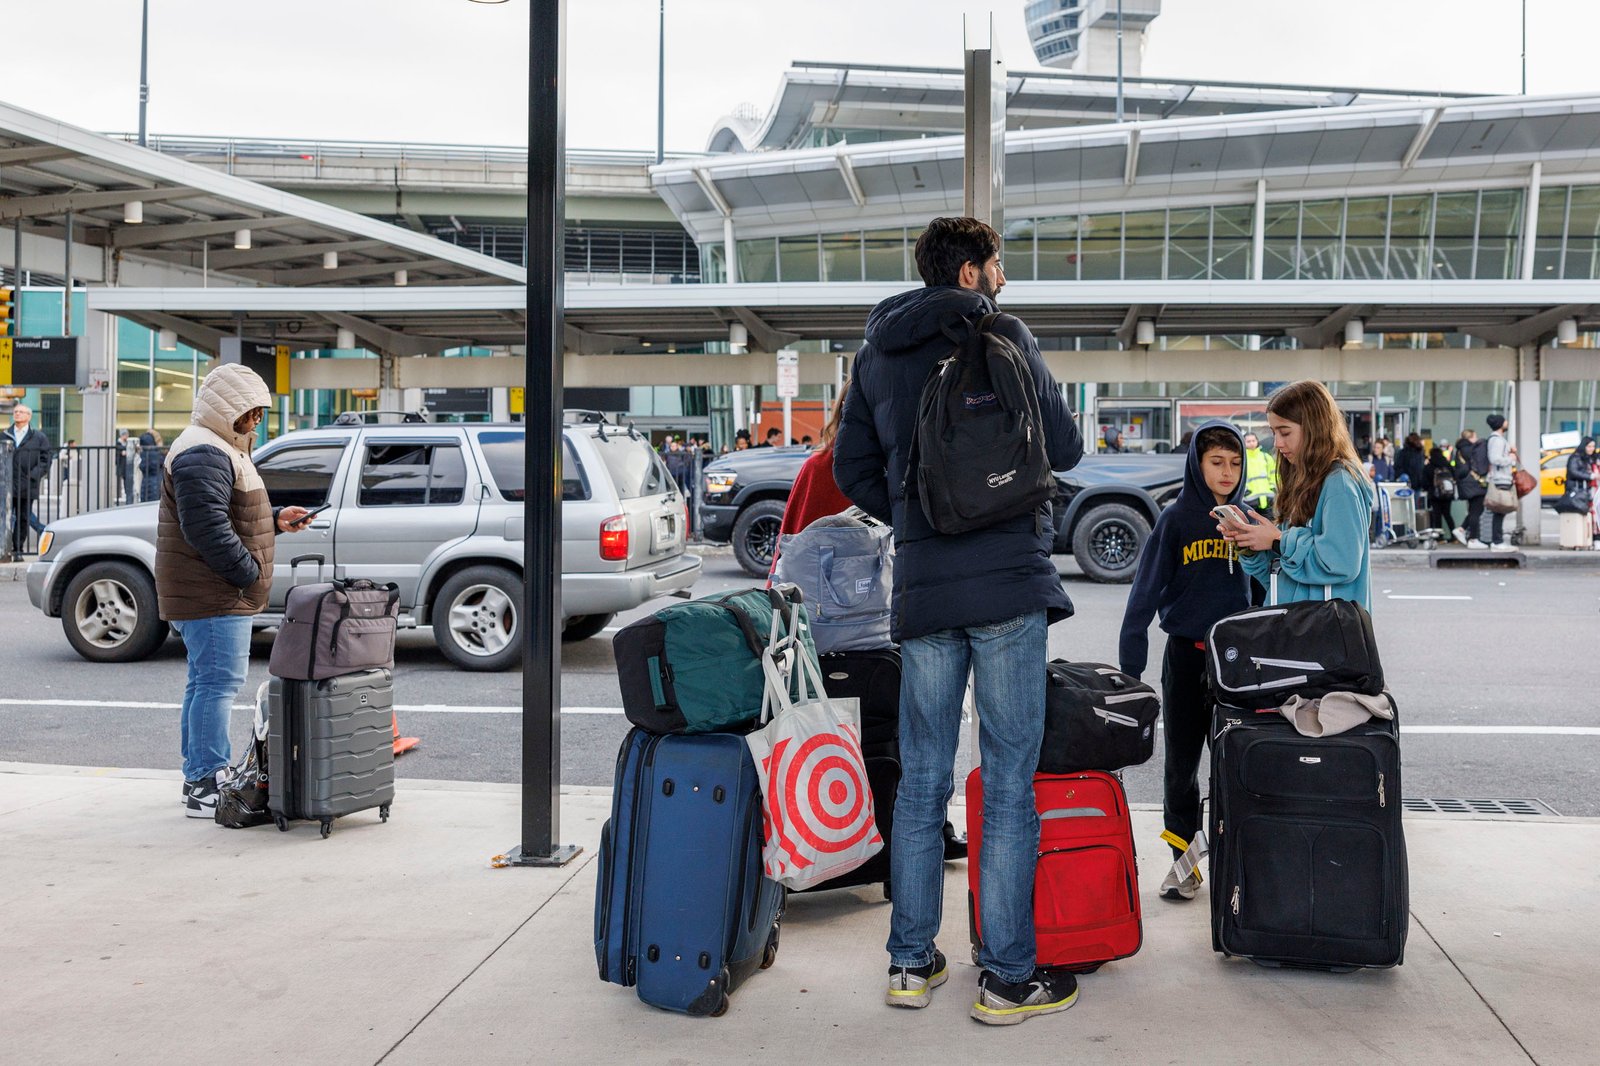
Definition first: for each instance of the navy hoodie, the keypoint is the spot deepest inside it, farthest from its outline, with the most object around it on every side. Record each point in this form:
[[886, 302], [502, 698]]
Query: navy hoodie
[[945, 581], [1188, 572]]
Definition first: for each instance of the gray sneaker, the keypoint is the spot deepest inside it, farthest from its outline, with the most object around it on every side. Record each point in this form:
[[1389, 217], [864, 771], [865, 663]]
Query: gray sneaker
[[912, 986], [1003, 1003], [1174, 889]]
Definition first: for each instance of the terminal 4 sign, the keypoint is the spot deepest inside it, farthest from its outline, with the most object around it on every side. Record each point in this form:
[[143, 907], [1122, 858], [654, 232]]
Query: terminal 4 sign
[[38, 361], [267, 358]]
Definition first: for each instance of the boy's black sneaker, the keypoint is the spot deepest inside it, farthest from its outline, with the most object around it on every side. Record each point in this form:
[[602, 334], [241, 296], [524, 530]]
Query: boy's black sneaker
[[202, 801], [1003, 1003], [912, 986], [188, 787]]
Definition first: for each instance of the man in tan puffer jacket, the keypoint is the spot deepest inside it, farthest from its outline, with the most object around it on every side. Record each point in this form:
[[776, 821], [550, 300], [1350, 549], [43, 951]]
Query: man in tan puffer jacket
[[214, 545]]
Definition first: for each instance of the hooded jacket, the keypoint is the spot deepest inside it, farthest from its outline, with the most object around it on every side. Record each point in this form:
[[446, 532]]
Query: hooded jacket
[[214, 538], [945, 581], [1188, 574]]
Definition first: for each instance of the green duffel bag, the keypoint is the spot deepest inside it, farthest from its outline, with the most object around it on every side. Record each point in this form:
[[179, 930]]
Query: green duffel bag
[[696, 667]]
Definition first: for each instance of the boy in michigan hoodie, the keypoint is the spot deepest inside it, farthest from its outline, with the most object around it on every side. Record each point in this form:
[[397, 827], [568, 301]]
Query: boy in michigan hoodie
[[1190, 575]]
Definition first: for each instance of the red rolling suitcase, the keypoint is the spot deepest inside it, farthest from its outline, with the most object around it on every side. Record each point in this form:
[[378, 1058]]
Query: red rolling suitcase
[[1086, 885]]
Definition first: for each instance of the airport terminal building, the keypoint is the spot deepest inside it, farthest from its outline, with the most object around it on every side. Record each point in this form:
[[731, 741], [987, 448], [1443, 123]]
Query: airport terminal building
[[1434, 258]]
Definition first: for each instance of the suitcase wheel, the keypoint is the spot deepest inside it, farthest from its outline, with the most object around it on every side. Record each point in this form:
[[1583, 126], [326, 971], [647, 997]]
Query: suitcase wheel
[[770, 956], [722, 1007], [975, 961], [281, 822], [383, 813], [327, 827]]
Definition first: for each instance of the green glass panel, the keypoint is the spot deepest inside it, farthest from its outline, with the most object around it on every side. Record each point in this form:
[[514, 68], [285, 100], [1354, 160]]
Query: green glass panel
[[885, 253], [1319, 238], [1583, 233], [1283, 233], [1499, 234], [1188, 243], [797, 259], [1231, 247], [1454, 217], [1548, 231], [1058, 249], [1365, 221], [1018, 250], [1101, 255], [758, 260], [841, 256], [1410, 220]]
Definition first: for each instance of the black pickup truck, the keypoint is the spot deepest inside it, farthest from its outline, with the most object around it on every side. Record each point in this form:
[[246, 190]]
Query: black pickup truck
[[1103, 512]]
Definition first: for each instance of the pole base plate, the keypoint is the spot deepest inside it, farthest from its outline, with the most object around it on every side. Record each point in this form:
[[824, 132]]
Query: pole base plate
[[560, 855]]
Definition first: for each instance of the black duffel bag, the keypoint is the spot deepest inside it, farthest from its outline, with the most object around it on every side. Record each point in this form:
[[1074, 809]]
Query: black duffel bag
[[1096, 718], [1258, 658]]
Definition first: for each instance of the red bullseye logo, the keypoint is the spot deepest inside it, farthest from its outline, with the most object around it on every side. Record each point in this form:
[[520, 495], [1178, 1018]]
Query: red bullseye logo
[[823, 801]]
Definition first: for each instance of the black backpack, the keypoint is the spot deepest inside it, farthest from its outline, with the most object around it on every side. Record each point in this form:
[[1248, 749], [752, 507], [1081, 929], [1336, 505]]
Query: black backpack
[[978, 455], [1478, 458]]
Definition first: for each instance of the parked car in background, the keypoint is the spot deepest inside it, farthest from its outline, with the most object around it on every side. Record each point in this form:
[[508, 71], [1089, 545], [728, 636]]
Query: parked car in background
[[435, 508], [1104, 508], [1553, 475]]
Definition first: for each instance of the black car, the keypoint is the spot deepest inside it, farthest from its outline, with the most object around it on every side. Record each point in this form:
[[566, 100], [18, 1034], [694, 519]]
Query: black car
[[1103, 511]]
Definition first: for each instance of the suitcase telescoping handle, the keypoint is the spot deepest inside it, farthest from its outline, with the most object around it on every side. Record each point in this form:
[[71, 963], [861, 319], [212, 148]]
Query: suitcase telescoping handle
[[320, 560]]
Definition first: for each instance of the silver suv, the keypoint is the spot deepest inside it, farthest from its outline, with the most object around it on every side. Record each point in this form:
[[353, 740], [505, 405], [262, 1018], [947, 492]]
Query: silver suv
[[437, 509]]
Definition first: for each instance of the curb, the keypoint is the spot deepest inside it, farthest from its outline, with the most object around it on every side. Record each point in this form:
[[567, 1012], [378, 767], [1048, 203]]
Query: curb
[[13, 571]]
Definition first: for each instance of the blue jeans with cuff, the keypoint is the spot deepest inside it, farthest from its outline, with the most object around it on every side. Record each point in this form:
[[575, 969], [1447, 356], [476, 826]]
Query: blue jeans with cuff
[[219, 657], [1007, 661]]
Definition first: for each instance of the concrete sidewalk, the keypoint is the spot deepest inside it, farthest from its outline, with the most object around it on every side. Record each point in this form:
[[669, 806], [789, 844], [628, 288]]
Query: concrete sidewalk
[[134, 934]]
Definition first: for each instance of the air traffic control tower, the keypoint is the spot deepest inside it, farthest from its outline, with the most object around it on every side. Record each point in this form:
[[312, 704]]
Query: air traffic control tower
[[1081, 35]]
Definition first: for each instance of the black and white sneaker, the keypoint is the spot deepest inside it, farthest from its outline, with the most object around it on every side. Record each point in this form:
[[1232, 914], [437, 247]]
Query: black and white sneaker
[[912, 986], [1003, 1003], [188, 787], [202, 801]]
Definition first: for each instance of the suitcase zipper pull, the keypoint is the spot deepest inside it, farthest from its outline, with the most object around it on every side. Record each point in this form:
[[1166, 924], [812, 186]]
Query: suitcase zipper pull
[[1382, 801], [1236, 900]]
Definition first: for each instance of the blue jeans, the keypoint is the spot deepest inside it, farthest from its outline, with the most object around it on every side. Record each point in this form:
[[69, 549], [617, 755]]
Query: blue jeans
[[219, 656], [1007, 661]]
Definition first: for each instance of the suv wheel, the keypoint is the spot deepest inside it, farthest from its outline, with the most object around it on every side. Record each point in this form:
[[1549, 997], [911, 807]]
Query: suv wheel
[[1108, 540], [755, 536], [584, 626], [477, 618], [109, 614]]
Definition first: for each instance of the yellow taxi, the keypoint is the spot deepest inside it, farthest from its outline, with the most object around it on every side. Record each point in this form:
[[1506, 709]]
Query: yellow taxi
[[1553, 474]]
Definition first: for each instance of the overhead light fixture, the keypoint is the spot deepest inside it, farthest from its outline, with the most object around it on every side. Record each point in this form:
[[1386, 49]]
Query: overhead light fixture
[[1144, 331], [738, 337], [344, 340], [672, 349], [401, 278], [241, 239], [167, 340], [644, 344], [330, 260], [133, 212], [1567, 331], [1354, 331]]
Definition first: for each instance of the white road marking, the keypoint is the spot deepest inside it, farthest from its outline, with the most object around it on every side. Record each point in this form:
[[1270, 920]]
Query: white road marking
[[1430, 597], [1507, 730]]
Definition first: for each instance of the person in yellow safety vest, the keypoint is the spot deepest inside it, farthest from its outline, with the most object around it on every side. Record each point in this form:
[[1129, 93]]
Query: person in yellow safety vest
[[1260, 475]]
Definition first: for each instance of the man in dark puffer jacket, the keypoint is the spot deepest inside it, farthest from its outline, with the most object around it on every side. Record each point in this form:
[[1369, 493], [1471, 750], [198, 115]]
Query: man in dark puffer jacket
[[979, 600], [214, 545]]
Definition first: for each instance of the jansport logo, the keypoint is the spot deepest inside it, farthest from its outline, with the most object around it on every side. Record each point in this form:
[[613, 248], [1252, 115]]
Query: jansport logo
[[996, 480], [975, 400]]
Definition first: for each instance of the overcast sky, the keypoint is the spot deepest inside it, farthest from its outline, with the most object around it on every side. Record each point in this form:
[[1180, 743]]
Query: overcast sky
[[455, 71]]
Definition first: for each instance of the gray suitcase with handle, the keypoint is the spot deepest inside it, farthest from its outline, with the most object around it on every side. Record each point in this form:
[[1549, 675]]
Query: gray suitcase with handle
[[330, 747]]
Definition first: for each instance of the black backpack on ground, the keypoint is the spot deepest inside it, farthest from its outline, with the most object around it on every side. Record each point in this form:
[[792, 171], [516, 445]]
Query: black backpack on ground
[[978, 456]]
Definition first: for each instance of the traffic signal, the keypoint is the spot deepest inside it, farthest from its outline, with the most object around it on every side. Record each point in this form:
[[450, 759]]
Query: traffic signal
[[7, 302]]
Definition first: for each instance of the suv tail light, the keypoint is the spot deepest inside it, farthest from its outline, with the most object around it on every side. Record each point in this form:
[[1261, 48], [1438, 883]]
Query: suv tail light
[[614, 538]]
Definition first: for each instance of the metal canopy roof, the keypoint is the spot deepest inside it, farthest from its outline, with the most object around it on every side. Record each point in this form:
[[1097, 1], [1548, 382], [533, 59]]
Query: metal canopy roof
[[48, 168], [1481, 141], [608, 318], [911, 101]]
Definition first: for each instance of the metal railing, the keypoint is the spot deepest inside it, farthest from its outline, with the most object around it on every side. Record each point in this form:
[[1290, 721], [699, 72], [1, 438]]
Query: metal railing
[[232, 150], [75, 480]]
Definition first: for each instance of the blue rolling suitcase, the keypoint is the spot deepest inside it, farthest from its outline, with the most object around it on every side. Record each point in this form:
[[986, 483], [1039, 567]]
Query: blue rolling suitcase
[[682, 911]]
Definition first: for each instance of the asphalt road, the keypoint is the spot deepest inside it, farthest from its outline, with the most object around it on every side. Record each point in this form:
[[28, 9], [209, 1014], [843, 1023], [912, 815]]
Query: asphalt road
[[1514, 650]]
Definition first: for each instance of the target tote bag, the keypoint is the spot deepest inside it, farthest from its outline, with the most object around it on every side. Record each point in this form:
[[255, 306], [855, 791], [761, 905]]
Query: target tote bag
[[816, 802]]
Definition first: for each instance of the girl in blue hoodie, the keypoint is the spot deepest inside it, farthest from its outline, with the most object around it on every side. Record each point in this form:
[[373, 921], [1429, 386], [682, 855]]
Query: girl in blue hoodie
[[1324, 506], [1191, 577]]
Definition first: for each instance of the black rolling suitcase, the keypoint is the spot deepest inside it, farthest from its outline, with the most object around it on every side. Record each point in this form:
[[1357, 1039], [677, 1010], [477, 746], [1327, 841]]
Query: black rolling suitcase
[[330, 747], [1308, 857], [873, 678]]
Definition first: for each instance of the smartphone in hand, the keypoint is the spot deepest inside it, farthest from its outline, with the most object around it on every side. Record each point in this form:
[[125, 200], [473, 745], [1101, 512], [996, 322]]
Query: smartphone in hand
[[1230, 515]]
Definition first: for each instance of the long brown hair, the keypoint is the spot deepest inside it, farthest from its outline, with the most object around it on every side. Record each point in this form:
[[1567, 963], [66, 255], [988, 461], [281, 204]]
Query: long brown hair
[[1324, 447], [830, 428]]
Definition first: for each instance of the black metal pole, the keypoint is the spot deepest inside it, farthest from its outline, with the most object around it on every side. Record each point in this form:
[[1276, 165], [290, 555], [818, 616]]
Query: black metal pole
[[541, 600]]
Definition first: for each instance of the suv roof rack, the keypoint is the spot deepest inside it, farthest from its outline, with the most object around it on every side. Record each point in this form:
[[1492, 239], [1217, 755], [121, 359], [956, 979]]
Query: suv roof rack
[[370, 418]]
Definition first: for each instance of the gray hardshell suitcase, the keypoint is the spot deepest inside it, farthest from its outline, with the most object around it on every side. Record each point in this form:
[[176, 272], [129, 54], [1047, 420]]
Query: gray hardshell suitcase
[[845, 569], [330, 747], [335, 627]]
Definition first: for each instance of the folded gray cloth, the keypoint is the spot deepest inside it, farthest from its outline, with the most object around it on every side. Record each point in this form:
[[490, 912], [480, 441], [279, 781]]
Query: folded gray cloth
[[1337, 712]]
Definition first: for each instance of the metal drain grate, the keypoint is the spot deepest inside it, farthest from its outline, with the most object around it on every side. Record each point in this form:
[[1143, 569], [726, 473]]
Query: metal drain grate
[[1479, 806]]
